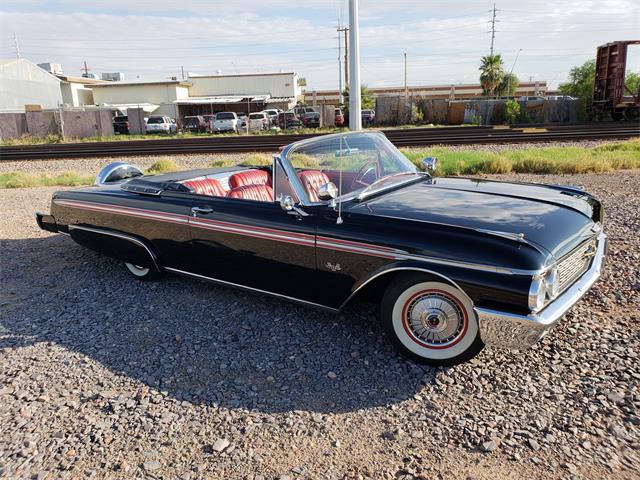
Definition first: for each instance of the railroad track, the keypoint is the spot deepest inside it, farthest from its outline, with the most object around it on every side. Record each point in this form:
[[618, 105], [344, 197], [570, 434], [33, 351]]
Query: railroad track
[[412, 137]]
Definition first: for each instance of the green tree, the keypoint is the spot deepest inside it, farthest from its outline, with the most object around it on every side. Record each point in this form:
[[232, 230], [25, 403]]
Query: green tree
[[632, 81], [491, 74], [366, 99], [581, 80], [508, 86]]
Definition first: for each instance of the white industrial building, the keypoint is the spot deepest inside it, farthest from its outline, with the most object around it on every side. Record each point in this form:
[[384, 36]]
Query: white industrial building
[[240, 92], [153, 96], [24, 83]]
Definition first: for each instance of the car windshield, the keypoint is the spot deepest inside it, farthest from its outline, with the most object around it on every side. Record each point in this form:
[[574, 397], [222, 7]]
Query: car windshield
[[359, 163], [225, 116], [191, 120], [256, 115], [155, 120], [120, 119]]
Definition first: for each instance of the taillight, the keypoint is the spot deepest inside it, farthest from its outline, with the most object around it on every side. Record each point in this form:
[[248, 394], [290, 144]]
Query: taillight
[[126, 124]]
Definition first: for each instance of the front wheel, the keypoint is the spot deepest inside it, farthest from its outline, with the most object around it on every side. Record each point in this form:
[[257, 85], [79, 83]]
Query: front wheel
[[142, 273], [430, 322]]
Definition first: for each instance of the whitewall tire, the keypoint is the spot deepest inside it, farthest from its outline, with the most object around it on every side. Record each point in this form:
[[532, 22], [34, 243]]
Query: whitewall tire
[[430, 321], [142, 273]]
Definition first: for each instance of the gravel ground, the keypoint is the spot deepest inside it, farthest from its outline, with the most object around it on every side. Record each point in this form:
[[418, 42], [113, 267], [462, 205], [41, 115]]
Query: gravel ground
[[105, 377], [91, 166]]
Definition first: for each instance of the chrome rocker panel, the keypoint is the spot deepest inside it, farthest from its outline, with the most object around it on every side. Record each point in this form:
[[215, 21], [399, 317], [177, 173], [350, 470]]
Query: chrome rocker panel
[[509, 330]]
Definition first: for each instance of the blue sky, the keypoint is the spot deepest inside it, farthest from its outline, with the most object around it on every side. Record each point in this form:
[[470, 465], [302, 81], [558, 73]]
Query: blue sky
[[443, 39]]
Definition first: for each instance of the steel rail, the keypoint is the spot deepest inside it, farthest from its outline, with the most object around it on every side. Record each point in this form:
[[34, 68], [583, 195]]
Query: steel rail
[[411, 137]]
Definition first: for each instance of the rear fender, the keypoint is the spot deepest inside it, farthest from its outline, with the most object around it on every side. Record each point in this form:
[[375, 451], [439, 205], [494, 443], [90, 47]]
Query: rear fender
[[118, 245]]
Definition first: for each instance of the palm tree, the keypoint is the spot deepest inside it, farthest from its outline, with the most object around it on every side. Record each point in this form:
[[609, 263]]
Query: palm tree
[[491, 73]]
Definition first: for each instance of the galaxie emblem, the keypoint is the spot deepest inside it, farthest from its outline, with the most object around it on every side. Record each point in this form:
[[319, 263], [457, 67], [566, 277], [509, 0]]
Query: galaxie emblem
[[334, 267]]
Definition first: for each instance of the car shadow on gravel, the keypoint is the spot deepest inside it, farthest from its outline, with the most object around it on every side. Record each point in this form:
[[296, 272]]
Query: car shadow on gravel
[[198, 342]]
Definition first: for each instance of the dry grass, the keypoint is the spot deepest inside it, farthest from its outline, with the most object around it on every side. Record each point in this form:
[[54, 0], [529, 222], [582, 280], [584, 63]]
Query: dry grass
[[163, 165], [545, 160], [23, 180]]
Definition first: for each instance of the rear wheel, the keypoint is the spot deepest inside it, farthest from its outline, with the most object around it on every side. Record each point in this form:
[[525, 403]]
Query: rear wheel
[[142, 273], [431, 322]]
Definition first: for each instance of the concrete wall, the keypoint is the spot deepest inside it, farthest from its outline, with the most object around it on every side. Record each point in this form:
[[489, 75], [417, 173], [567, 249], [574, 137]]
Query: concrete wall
[[91, 123], [276, 85], [77, 123], [23, 83], [395, 111]]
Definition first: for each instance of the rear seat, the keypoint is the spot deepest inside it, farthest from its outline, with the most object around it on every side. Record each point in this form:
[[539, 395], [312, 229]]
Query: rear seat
[[249, 177], [261, 193], [206, 186]]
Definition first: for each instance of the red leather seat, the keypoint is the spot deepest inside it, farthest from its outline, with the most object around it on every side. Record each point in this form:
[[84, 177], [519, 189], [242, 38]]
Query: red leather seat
[[249, 177], [261, 193], [312, 181], [206, 186]]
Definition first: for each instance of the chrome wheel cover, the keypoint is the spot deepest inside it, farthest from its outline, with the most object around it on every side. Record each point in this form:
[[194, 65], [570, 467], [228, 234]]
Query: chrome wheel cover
[[434, 318]]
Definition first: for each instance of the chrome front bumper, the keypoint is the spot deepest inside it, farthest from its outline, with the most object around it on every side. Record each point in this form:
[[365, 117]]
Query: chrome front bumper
[[510, 330]]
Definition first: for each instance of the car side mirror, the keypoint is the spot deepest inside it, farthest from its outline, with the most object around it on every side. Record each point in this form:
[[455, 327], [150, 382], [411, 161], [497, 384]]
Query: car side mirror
[[328, 191], [430, 164], [288, 204]]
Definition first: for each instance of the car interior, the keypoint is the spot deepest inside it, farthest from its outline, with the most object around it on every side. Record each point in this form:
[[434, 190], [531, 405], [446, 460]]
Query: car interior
[[253, 184]]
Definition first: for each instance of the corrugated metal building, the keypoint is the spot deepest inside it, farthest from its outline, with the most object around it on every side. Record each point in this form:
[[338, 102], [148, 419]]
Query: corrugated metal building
[[24, 83]]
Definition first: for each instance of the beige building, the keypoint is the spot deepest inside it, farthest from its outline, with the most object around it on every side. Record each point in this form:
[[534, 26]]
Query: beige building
[[155, 97], [76, 91]]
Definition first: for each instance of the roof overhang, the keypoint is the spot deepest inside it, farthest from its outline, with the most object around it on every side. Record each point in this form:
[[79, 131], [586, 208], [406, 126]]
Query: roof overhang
[[146, 107], [222, 99]]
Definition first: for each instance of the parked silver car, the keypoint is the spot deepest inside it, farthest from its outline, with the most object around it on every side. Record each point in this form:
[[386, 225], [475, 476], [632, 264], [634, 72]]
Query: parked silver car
[[158, 124], [225, 122]]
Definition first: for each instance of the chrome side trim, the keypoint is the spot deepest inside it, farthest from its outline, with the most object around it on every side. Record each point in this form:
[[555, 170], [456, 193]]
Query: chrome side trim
[[119, 235], [250, 289], [511, 330], [395, 269], [469, 265]]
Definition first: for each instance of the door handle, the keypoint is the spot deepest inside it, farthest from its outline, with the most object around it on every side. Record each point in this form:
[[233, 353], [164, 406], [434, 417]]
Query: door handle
[[195, 210]]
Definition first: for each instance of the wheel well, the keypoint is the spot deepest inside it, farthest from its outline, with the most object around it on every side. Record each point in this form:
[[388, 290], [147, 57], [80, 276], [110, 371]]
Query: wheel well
[[373, 290]]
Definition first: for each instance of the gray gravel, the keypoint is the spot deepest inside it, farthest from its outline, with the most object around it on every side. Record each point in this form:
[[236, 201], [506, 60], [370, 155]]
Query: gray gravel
[[105, 377]]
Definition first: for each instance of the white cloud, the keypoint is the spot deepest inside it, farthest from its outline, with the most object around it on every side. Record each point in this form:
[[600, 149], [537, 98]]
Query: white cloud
[[444, 40]]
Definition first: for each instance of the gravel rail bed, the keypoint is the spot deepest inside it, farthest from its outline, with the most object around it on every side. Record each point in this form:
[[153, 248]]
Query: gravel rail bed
[[105, 377], [91, 166]]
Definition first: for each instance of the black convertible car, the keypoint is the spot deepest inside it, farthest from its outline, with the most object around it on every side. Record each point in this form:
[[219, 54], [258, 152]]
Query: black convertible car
[[456, 263]]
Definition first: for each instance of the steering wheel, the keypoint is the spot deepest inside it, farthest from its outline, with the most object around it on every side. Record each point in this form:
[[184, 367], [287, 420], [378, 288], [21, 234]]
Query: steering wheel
[[363, 171]]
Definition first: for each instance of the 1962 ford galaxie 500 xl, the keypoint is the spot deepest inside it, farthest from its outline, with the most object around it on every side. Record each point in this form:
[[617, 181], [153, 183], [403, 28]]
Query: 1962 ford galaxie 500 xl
[[455, 263]]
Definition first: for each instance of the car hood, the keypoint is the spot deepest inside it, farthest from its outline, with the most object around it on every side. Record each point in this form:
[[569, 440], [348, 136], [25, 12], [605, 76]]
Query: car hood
[[549, 217]]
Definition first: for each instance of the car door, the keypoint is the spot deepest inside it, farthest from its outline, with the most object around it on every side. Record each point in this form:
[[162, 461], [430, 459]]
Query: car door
[[254, 244]]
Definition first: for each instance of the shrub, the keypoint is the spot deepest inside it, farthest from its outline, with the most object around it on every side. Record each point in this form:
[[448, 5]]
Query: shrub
[[512, 111], [163, 165]]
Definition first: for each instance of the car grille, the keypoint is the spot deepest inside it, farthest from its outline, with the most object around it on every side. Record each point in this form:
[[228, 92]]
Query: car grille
[[576, 263]]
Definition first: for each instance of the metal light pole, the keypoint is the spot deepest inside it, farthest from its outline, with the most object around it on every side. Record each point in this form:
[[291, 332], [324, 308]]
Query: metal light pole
[[355, 103], [510, 73]]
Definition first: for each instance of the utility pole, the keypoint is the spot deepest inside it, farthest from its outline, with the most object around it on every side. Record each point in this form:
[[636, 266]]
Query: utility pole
[[15, 45], [493, 27], [340, 97], [355, 102], [182, 68], [406, 90], [345, 30], [85, 70]]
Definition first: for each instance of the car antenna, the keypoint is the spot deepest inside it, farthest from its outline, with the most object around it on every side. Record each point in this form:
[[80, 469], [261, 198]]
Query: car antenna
[[339, 219]]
